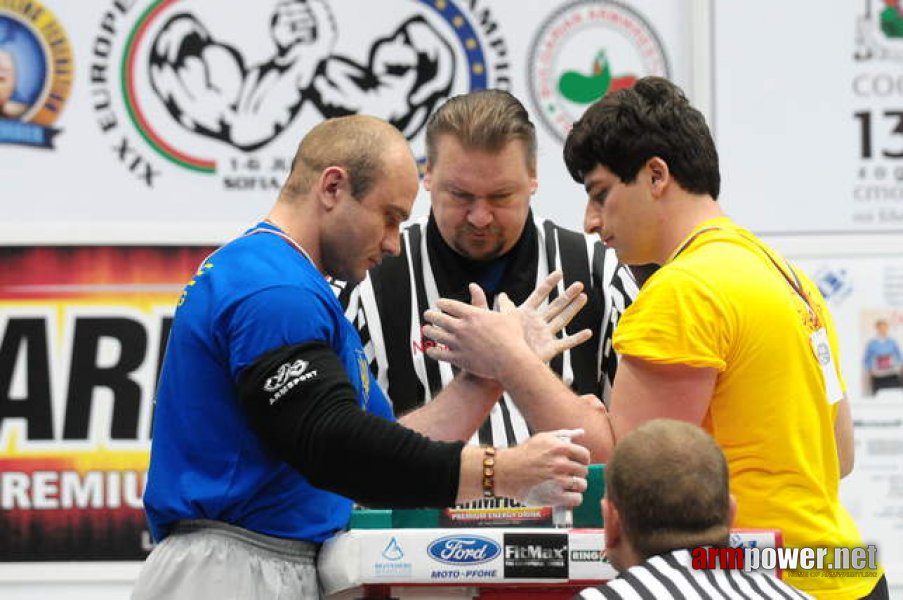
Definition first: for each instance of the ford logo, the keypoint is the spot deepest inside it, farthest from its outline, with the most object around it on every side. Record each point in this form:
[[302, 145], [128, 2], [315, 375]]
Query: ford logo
[[463, 550]]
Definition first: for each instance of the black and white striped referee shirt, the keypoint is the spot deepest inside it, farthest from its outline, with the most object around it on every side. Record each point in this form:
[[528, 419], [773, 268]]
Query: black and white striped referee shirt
[[672, 576], [387, 309]]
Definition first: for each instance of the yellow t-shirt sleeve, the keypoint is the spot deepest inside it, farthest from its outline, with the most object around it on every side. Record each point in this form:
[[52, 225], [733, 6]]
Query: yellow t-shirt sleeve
[[676, 319]]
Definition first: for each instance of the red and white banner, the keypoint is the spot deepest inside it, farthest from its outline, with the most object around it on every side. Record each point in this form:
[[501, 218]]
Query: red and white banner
[[82, 335]]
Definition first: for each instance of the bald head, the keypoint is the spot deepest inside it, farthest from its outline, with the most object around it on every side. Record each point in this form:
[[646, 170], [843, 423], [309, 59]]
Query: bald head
[[669, 481], [366, 147]]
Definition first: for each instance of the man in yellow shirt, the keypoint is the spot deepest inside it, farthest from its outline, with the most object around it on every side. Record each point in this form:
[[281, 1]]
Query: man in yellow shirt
[[726, 334]]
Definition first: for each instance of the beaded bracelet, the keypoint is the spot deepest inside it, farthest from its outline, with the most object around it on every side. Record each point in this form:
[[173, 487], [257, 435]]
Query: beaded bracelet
[[488, 471]]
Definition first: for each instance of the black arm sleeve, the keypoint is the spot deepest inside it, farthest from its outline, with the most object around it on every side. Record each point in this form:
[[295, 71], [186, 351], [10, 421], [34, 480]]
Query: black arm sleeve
[[302, 404]]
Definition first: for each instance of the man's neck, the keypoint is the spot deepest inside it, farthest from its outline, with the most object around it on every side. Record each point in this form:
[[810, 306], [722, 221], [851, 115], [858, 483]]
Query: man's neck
[[299, 226], [685, 214], [513, 272], [624, 556]]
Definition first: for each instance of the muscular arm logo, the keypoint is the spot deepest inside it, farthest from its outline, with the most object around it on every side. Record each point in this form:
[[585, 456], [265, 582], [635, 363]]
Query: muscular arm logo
[[208, 90], [408, 73]]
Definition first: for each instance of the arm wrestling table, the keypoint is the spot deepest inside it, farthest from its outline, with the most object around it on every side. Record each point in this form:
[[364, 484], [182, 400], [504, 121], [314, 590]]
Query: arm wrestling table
[[491, 553], [482, 562]]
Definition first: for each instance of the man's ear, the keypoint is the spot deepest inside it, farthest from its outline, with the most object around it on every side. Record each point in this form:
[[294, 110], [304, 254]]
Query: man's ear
[[731, 510], [611, 519], [330, 185], [428, 177], [659, 175]]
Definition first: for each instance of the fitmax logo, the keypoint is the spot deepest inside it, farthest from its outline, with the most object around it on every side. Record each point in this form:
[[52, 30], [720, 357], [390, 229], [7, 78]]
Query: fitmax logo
[[536, 552]]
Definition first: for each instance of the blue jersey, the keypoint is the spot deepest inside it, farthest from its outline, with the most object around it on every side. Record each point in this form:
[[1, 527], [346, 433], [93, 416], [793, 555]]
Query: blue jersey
[[253, 295]]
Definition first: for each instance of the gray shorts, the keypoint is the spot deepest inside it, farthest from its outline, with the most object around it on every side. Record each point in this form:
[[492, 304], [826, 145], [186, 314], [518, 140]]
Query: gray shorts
[[210, 559]]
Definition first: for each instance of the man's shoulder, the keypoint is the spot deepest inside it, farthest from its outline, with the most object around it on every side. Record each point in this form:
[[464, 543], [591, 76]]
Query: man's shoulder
[[578, 254], [576, 248], [392, 266], [255, 262], [418, 224], [548, 225]]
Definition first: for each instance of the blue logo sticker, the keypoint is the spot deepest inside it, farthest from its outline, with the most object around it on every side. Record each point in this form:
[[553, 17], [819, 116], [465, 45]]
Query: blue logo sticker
[[463, 550], [393, 551]]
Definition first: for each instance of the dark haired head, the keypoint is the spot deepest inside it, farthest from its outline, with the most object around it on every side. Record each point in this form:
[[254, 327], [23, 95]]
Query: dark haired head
[[669, 481], [625, 129]]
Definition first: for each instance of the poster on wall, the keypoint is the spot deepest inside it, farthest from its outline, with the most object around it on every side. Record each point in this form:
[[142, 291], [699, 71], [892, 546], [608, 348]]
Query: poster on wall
[[865, 295], [82, 335], [178, 119], [877, 90], [873, 492], [125, 125], [36, 72], [810, 126]]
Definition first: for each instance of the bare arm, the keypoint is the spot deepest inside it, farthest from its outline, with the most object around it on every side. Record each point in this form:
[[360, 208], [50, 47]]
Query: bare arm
[[208, 90], [457, 411], [547, 403], [272, 92], [463, 405], [492, 345], [843, 436], [645, 391], [525, 471], [642, 391]]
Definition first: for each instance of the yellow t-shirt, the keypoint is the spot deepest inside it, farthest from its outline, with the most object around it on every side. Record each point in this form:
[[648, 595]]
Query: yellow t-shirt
[[721, 303]]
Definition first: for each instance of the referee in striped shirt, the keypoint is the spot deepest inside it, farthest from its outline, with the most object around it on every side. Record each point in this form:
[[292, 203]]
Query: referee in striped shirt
[[481, 174], [666, 492]]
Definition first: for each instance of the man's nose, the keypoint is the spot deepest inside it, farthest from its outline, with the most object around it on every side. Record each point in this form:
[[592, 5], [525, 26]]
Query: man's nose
[[480, 213], [392, 243], [592, 219]]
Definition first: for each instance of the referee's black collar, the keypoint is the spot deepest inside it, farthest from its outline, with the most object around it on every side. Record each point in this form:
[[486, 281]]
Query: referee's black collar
[[453, 272]]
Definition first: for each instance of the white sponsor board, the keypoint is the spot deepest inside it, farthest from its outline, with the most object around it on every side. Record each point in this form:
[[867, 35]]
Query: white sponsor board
[[470, 557]]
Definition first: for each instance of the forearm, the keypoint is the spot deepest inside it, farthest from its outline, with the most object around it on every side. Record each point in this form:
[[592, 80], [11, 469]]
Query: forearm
[[376, 462], [316, 426], [843, 436], [470, 479], [546, 470], [457, 412], [548, 404], [267, 92]]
